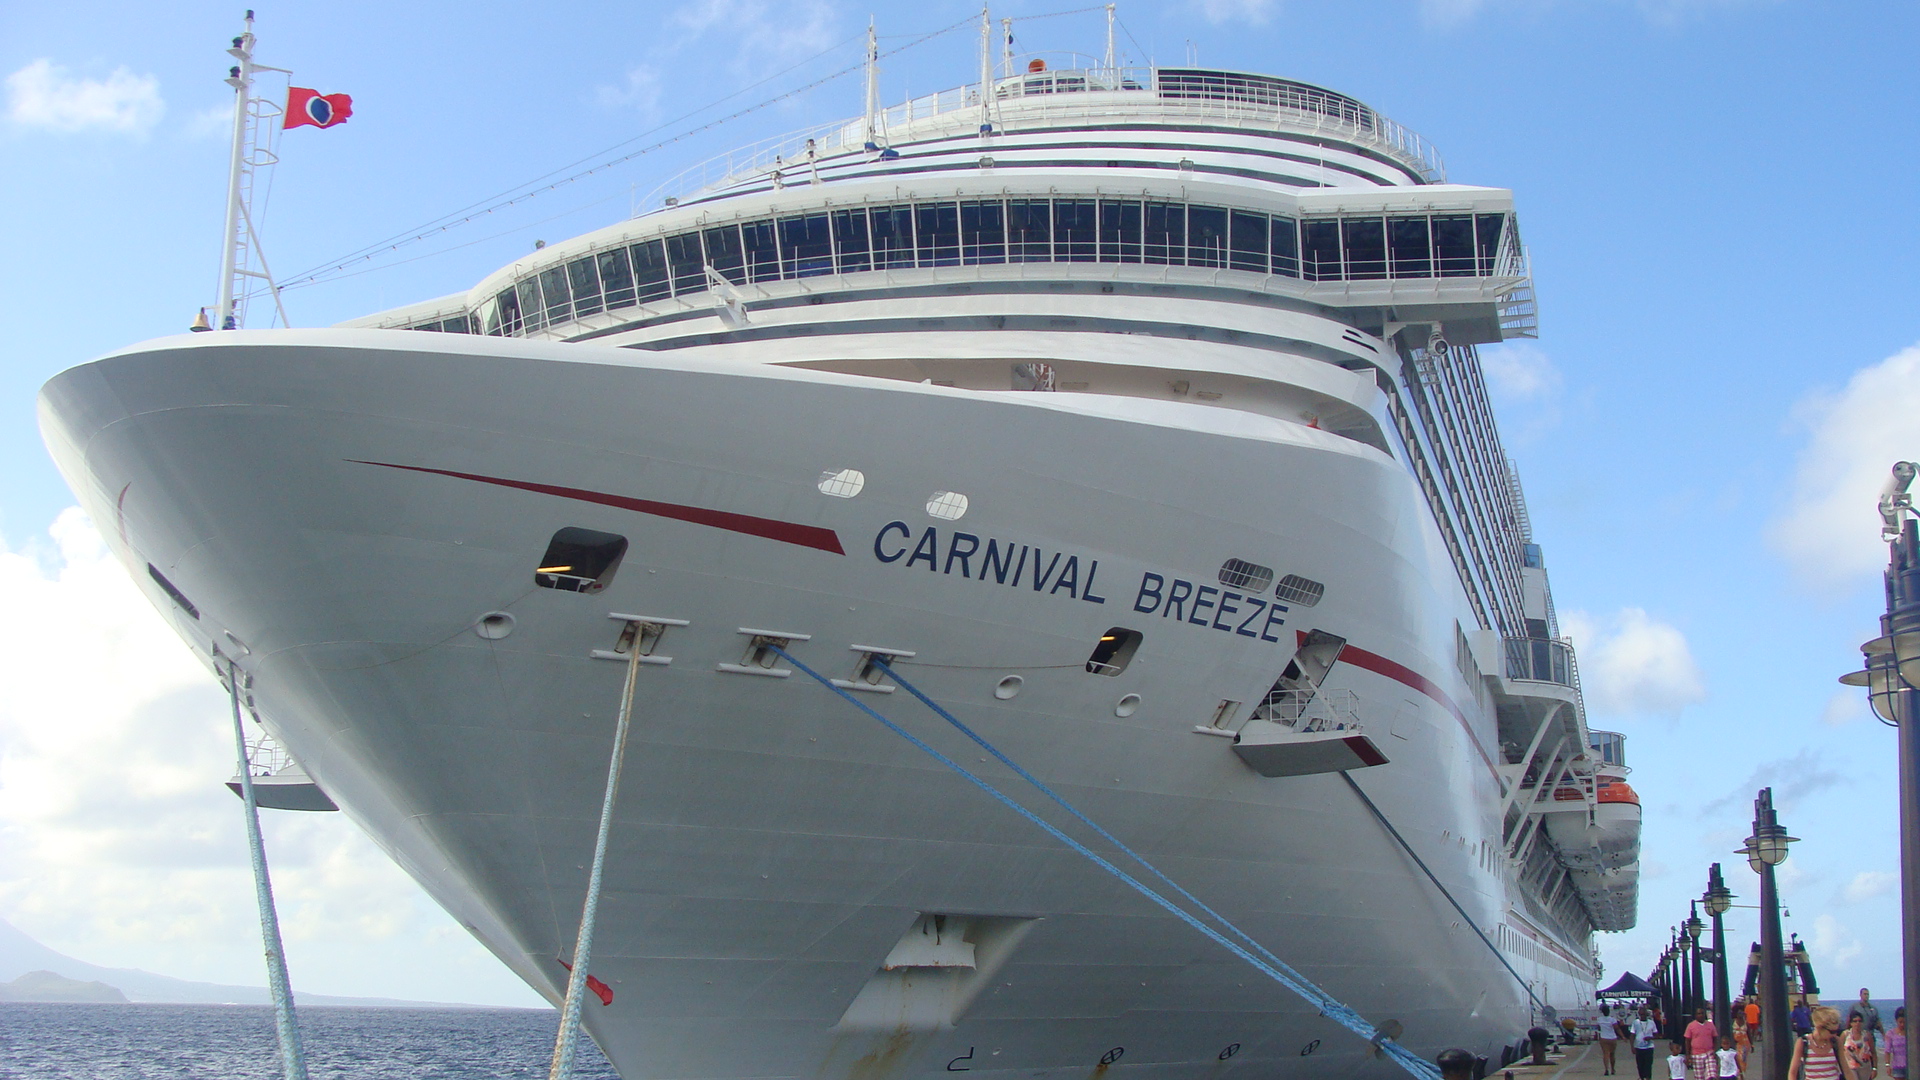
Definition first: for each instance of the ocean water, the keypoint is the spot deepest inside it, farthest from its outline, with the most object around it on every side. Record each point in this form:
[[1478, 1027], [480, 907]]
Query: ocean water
[[235, 1042]]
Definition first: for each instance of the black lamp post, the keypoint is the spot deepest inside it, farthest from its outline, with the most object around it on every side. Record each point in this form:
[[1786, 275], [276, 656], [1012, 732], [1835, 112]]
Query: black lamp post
[[1693, 926], [1766, 849], [1891, 677], [1718, 899]]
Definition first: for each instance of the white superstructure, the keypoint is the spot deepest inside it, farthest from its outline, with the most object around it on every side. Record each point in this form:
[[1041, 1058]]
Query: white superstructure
[[1134, 413]]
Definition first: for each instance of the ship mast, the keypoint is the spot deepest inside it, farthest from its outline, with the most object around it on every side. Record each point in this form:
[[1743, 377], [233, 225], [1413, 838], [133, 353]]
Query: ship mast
[[986, 70], [246, 155], [873, 88], [1113, 64]]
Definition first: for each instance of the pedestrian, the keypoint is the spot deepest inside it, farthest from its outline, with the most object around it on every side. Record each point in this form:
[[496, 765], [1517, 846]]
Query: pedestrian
[[1643, 1030], [1609, 1039], [1752, 1012], [1701, 1040], [1742, 1040], [1817, 1055], [1802, 1022], [1729, 1060], [1677, 1062], [1858, 1044], [1455, 1065], [1897, 1045], [1869, 1022]]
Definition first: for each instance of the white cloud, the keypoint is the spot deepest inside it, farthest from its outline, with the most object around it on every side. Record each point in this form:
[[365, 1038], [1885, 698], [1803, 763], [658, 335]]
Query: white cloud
[[44, 95], [1833, 943], [1830, 531], [1518, 371], [1631, 662], [639, 91], [212, 122], [1868, 884], [120, 844], [1256, 12], [1845, 706], [1663, 12], [761, 33]]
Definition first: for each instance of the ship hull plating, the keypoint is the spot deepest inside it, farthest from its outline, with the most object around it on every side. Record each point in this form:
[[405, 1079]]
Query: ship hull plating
[[341, 510]]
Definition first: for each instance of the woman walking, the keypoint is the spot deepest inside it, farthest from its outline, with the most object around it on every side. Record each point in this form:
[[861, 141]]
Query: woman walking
[[1897, 1045], [1609, 1039], [1858, 1046], [1819, 1055]]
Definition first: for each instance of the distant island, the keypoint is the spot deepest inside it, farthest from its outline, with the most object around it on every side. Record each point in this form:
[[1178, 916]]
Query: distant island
[[47, 987], [40, 974]]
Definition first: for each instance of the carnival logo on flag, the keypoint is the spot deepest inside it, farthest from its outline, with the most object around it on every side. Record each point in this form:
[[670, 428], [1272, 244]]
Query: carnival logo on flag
[[306, 106]]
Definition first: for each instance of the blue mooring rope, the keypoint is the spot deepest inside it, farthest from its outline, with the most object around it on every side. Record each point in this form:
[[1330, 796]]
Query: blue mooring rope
[[1279, 972]]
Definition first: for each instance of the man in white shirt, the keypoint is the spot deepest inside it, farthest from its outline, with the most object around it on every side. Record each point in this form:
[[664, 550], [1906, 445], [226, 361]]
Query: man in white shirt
[[1644, 1031]]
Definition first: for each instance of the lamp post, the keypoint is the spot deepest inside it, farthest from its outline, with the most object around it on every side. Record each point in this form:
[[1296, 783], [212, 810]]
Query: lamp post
[[1718, 899], [1891, 676], [1693, 927], [1766, 849]]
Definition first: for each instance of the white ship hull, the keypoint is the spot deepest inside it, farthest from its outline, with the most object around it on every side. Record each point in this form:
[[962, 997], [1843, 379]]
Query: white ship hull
[[342, 508]]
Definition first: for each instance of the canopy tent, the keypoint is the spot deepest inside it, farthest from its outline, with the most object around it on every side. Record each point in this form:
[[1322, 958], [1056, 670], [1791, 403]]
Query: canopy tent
[[1629, 985]]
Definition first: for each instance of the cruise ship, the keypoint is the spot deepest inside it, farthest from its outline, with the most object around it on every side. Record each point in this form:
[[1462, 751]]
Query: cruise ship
[[1131, 416]]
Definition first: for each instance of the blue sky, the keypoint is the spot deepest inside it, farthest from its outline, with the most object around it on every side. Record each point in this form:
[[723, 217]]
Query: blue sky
[[1718, 197]]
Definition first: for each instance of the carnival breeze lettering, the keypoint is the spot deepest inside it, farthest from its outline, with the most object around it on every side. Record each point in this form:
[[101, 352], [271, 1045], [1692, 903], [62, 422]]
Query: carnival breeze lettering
[[1023, 564]]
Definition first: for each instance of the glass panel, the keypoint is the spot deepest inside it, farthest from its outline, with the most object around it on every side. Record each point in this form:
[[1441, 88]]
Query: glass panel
[[1249, 242], [1320, 250], [1119, 231], [684, 257], [1488, 230], [1408, 247], [585, 283], [1076, 230], [456, 325], [761, 250], [616, 277], [1029, 230], [553, 283], [488, 317], [723, 252], [983, 232], [892, 230], [806, 246], [1286, 246], [650, 271], [1206, 236], [1366, 244], [850, 238], [509, 303], [1453, 245], [939, 233], [531, 316], [1166, 233]]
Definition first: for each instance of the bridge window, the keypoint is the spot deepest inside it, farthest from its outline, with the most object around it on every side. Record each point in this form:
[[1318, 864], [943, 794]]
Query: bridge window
[[1453, 245], [1119, 231], [1206, 236], [724, 253], [892, 230], [983, 233], [616, 277], [687, 263], [1286, 247], [580, 560], [1320, 249], [1249, 233], [760, 251], [1029, 230], [1166, 241], [585, 283], [1076, 231], [1365, 240], [850, 239], [806, 246], [1487, 233], [553, 284], [938, 233], [650, 271], [1408, 242]]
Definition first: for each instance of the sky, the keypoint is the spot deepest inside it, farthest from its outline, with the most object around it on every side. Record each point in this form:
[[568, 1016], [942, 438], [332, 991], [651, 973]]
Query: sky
[[1718, 200]]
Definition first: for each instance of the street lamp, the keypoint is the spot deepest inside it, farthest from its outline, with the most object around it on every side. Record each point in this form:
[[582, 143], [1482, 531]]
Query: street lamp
[[1891, 676], [1693, 926], [1766, 849], [1717, 900]]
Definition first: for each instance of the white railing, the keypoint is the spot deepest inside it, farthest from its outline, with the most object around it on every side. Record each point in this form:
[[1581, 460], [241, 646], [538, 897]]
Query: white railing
[[1045, 97]]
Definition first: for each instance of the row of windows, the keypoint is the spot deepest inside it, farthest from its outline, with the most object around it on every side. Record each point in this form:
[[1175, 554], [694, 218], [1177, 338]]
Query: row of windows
[[981, 232]]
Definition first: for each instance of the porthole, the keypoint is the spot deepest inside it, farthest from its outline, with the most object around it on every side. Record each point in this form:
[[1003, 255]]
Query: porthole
[[1006, 688], [1114, 651], [494, 625], [580, 560], [842, 483], [1127, 706], [1303, 592], [947, 505], [1241, 574]]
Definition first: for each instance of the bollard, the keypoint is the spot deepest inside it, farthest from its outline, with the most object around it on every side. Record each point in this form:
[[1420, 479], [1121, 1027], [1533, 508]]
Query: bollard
[[1538, 1036]]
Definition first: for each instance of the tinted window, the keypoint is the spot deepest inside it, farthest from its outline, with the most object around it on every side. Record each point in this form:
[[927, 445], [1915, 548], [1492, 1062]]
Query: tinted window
[[687, 263], [1407, 244], [806, 246], [1453, 245], [850, 237], [892, 230], [650, 270], [1488, 228], [1249, 241], [760, 250], [1286, 247], [983, 232], [553, 284], [616, 278], [1076, 230], [1206, 236], [1166, 228], [723, 253], [939, 233], [1029, 230], [509, 304], [1320, 250], [1119, 231], [1366, 244], [584, 280], [531, 317]]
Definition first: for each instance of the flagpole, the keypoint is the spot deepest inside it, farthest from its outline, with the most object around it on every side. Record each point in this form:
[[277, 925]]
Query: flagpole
[[241, 79]]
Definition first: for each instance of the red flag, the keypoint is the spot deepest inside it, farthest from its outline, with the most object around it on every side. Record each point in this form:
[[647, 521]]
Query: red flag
[[306, 106], [600, 990]]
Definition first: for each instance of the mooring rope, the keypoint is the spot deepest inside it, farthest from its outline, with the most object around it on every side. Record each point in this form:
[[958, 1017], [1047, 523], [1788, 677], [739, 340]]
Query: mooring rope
[[1328, 1006], [563, 1045]]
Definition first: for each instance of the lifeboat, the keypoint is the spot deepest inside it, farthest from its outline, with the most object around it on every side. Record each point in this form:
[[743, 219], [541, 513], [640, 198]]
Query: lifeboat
[[1606, 838]]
